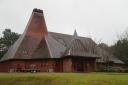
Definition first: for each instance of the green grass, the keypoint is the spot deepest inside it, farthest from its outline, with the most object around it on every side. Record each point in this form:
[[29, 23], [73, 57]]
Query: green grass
[[64, 79]]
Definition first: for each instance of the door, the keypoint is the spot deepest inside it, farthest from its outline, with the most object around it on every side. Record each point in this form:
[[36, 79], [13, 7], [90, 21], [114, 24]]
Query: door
[[79, 65]]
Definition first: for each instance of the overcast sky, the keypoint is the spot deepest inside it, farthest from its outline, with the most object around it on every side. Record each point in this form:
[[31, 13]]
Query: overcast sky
[[102, 20]]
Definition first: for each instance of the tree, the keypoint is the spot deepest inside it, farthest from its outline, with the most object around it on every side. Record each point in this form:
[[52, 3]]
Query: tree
[[103, 46], [120, 48], [7, 40]]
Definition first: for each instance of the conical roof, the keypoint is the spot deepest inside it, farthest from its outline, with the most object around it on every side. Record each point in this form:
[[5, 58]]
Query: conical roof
[[34, 34]]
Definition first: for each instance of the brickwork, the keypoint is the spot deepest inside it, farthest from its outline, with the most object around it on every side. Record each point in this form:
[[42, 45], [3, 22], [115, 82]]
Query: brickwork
[[48, 65]]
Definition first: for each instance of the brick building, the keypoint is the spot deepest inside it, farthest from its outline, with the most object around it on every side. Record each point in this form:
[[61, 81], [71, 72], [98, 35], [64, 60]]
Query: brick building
[[49, 51]]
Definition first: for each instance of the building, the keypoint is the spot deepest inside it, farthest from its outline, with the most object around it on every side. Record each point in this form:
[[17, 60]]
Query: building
[[50, 52], [108, 58]]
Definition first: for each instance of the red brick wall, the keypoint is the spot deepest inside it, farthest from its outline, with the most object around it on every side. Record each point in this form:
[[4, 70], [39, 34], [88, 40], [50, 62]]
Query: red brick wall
[[5, 66], [42, 65], [67, 65], [90, 65]]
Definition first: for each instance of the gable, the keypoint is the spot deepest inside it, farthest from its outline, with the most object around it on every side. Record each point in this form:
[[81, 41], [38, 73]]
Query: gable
[[42, 51]]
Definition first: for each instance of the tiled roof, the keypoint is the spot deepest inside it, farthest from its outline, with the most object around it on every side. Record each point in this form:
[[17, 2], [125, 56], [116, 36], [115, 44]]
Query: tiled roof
[[78, 48], [106, 56]]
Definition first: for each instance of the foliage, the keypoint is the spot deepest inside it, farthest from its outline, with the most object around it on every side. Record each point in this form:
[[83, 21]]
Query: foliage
[[64, 79], [120, 49], [126, 70], [103, 68], [7, 40], [103, 46]]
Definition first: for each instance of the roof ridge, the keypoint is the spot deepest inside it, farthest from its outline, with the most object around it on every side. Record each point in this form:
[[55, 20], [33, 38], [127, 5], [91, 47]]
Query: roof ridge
[[68, 34]]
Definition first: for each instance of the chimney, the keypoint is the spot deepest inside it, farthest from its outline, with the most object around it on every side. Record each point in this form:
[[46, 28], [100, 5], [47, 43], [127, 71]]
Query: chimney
[[38, 10]]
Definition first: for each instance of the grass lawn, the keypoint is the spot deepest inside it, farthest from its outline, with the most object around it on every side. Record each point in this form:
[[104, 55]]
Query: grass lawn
[[64, 79]]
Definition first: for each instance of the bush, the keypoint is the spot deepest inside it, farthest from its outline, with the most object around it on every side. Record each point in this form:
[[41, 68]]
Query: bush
[[126, 70], [110, 69]]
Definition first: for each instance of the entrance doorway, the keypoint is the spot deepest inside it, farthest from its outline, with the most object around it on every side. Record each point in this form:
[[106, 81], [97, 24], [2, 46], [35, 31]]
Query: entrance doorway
[[78, 65]]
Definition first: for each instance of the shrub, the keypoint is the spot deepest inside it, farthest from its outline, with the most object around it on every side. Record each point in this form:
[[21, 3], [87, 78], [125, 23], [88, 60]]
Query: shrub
[[110, 69], [126, 70]]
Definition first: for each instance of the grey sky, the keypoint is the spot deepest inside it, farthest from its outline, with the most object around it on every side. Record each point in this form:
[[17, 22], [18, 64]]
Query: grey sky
[[98, 19]]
